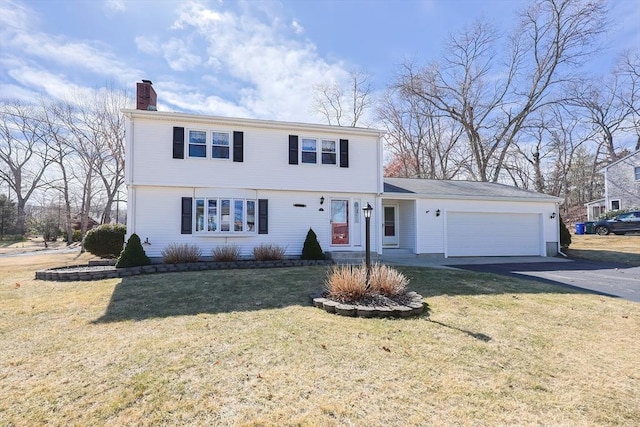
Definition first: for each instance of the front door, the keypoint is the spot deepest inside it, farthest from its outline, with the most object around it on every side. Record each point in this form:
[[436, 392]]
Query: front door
[[339, 222], [390, 226]]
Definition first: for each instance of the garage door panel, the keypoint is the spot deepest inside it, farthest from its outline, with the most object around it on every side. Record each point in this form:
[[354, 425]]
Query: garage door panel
[[492, 234]]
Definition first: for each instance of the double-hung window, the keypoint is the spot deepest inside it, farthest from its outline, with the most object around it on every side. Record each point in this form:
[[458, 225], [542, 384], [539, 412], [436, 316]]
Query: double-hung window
[[197, 143], [219, 145], [328, 152], [636, 171], [225, 215], [309, 150]]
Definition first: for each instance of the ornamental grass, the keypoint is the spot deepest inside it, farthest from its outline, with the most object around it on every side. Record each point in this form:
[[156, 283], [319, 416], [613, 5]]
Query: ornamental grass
[[349, 283]]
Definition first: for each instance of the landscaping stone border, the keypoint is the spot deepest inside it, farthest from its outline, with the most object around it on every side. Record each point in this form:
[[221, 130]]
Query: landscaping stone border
[[414, 307], [106, 269]]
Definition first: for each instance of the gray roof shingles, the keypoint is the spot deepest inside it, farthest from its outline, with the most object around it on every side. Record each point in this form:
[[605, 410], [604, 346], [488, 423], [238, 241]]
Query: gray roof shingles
[[462, 189]]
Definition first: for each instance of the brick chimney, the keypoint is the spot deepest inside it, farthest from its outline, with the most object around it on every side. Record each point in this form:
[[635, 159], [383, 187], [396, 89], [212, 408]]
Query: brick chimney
[[146, 97]]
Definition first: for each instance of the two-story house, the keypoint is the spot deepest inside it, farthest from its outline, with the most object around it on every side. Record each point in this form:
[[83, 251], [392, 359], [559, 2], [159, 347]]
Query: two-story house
[[621, 187], [214, 181]]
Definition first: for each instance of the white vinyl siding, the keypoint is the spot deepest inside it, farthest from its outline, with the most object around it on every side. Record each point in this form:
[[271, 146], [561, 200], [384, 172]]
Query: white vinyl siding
[[492, 234]]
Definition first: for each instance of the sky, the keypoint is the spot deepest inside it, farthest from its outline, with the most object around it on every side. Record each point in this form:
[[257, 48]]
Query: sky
[[251, 58]]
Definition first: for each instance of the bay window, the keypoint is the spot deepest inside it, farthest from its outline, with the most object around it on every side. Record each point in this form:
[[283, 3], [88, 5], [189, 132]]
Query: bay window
[[225, 215]]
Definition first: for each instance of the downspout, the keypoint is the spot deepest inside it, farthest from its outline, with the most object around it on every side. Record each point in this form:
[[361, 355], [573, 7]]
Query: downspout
[[557, 221]]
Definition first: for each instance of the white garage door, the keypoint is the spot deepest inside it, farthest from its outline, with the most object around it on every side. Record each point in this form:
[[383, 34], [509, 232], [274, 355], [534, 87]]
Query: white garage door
[[492, 234]]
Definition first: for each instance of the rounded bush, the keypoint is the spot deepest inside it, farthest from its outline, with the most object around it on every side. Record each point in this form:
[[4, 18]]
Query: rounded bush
[[105, 240]]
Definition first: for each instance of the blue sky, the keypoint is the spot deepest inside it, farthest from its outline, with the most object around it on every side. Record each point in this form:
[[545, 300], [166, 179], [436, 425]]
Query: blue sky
[[257, 59]]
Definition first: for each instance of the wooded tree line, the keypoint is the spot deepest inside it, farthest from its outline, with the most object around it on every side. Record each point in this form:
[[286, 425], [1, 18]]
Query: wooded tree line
[[515, 108], [64, 159]]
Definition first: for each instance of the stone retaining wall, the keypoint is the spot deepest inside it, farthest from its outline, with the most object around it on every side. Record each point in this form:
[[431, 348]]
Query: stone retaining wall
[[84, 272]]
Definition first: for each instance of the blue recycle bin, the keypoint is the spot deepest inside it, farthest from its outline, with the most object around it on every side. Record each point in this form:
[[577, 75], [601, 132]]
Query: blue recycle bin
[[580, 227]]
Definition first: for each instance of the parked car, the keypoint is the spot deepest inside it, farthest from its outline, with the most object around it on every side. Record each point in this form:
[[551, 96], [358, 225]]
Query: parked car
[[621, 224]]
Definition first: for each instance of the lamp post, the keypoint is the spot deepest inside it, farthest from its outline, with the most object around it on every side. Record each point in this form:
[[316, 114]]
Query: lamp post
[[367, 220]]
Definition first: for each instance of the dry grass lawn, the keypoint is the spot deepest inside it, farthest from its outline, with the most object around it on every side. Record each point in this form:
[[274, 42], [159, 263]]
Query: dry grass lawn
[[624, 249], [245, 348]]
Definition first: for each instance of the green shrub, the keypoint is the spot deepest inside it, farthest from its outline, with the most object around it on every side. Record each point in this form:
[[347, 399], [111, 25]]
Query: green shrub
[[75, 237], [565, 236], [226, 253], [180, 253], [311, 248], [133, 254], [105, 240], [266, 252]]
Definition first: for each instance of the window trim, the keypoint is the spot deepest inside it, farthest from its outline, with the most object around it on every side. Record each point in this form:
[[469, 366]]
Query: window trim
[[188, 143], [228, 146], [611, 204], [202, 228], [208, 144], [636, 172]]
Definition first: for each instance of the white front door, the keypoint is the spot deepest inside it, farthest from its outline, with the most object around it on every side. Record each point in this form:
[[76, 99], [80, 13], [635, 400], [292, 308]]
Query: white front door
[[390, 225]]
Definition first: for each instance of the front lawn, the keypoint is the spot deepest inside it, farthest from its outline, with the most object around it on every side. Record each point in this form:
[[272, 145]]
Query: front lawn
[[245, 347]]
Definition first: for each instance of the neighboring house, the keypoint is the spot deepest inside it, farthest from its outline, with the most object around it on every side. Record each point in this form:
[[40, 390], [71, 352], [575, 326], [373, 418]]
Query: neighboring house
[[621, 187], [214, 181]]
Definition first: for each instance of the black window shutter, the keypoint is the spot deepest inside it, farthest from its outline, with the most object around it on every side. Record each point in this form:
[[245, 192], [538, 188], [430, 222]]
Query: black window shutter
[[238, 146], [344, 153], [187, 209], [293, 149], [263, 216], [178, 143]]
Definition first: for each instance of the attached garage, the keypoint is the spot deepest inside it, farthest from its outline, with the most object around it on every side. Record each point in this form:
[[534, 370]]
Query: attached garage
[[492, 234], [469, 219]]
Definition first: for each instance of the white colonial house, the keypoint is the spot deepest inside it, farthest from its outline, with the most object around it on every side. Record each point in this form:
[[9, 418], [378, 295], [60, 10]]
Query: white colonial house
[[214, 181]]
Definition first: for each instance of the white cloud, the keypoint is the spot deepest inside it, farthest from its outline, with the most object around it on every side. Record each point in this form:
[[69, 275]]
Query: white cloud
[[115, 5], [179, 55], [297, 28], [24, 45], [277, 72], [46, 82], [148, 45]]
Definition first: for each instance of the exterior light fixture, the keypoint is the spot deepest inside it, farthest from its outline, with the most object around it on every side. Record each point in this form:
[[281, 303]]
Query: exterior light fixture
[[146, 241], [438, 212], [321, 203], [553, 215]]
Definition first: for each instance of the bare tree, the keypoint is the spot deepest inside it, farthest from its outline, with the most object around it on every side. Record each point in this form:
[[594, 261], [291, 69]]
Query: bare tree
[[344, 106], [603, 105], [24, 153], [629, 70], [492, 96], [422, 144]]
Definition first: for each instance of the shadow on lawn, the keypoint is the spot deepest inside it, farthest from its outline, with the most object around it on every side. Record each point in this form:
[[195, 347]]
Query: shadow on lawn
[[221, 291], [224, 291]]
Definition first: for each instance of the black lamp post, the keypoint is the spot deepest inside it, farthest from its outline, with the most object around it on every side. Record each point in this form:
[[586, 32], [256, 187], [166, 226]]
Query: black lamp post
[[367, 220]]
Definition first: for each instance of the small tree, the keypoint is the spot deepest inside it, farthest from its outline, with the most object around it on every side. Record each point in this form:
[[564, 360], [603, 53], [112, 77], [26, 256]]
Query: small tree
[[311, 248], [565, 236], [106, 240], [133, 254]]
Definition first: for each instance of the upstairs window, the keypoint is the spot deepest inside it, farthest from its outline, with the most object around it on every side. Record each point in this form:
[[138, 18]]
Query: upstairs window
[[197, 143], [219, 145], [328, 152], [637, 172], [309, 153]]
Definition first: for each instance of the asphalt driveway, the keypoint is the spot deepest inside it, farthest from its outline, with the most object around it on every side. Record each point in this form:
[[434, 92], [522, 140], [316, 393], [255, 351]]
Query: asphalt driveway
[[603, 278]]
